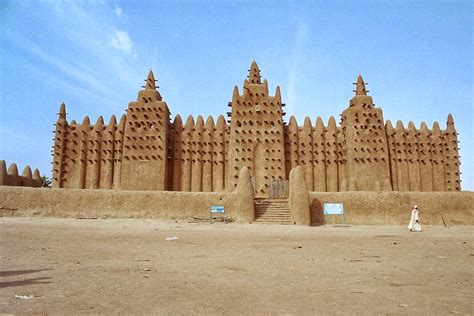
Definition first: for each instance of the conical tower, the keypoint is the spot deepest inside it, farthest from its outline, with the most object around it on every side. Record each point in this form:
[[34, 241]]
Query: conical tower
[[256, 137], [451, 161], [59, 147], [145, 150], [365, 141]]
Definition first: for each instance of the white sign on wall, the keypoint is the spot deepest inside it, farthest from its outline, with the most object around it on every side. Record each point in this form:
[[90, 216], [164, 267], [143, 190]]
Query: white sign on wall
[[334, 209]]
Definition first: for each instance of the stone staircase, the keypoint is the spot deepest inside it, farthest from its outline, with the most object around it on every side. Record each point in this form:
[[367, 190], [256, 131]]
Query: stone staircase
[[272, 211]]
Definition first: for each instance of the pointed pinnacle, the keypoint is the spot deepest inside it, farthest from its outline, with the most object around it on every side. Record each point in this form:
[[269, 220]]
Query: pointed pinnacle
[[199, 121], [150, 81], [13, 170], [189, 121], [360, 86], [177, 120], [235, 92], [62, 111], [424, 127], [450, 119], [400, 126], [36, 175], [254, 73], [27, 172], [332, 123], [210, 122], [221, 121], [113, 121], [100, 121], [123, 118], [293, 121], [278, 93], [319, 123]]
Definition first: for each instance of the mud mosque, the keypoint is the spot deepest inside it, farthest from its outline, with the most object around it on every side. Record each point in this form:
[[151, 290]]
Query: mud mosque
[[146, 151]]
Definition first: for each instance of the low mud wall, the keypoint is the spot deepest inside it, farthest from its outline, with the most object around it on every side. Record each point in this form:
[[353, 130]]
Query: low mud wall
[[16, 201], [366, 208], [381, 208]]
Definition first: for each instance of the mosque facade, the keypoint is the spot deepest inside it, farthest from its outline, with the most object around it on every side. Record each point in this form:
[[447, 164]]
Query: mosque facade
[[145, 150]]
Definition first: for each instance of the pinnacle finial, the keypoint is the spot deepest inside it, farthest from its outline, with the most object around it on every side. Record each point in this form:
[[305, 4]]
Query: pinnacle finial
[[113, 121], [36, 175], [360, 86], [150, 81], [178, 121], [450, 119], [27, 172], [254, 73], [62, 111]]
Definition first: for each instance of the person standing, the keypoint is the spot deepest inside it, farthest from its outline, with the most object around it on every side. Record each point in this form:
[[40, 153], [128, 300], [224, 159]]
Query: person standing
[[415, 225]]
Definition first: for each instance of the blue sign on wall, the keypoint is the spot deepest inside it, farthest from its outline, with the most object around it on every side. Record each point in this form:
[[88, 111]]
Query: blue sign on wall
[[217, 209], [333, 209]]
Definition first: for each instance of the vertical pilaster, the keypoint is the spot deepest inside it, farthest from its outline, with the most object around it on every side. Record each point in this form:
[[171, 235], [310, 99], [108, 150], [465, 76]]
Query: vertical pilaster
[[59, 147], [319, 157]]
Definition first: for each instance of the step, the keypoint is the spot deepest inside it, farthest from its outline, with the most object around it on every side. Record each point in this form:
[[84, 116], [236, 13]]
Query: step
[[272, 211], [258, 221], [270, 220], [273, 208], [272, 202]]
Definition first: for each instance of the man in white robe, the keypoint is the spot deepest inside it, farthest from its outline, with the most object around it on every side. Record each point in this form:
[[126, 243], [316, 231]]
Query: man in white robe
[[414, 225]]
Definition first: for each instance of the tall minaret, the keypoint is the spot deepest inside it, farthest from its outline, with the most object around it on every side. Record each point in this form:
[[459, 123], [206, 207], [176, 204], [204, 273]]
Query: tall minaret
[[451, 161], [256, 136], [60, 138], [145, 150], [365, 141]]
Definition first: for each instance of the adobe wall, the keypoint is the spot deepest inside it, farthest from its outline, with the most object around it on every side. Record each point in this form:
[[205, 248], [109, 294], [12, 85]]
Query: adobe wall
[[423, 159], [12, 178], [164, 205], [146, 151], [198, 155], [87, 156], [391, 208], [361, 208]]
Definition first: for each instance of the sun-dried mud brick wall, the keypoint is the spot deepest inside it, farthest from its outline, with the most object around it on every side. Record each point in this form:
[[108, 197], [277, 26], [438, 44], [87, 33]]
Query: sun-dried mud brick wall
[[148, 151], [11, 176]]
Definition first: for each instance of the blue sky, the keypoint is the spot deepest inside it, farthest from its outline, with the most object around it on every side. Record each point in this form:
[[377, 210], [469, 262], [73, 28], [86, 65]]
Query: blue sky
[[417, 57]]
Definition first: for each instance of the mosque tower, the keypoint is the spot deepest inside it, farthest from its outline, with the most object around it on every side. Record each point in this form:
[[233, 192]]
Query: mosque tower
[[145, 149], [365, 142], [256, 137]]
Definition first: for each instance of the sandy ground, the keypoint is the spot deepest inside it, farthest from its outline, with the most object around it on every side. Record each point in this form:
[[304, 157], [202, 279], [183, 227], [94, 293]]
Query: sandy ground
[[126, 266]]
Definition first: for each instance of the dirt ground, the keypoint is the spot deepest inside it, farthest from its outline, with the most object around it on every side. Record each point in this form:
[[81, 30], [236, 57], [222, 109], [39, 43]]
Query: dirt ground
[[126, 266]]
